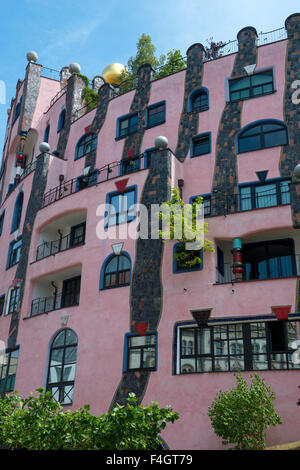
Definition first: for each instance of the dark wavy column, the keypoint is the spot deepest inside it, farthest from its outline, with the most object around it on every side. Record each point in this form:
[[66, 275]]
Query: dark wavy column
[[225, 180], [139, 105], [188, 125], [34, 205], [73, 102], [146, 286], [290, 154], [106, 93]]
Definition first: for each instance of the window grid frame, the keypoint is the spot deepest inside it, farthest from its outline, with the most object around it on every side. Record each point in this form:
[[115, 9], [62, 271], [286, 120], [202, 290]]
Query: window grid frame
[[251, 87]]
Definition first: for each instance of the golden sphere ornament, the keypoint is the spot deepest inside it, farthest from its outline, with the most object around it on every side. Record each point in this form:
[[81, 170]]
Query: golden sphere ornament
[[112, 73]]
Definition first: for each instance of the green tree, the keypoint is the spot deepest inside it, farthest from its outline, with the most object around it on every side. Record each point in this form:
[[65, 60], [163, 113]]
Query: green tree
[[39, 423], [174, 62], [179, 222], [242, 414]]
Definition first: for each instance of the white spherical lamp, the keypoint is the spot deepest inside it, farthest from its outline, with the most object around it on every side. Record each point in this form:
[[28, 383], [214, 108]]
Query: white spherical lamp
[[161, 142]]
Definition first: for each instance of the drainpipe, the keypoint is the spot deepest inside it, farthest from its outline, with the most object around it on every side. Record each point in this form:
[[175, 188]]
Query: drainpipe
[[237, 266], [60, 239], [54, 295]]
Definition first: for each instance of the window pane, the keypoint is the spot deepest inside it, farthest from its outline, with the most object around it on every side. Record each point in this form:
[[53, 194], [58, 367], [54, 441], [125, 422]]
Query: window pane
[[187, 366], [68, 394], [260, 362], [112, 266], [285, 192], [55, 374], [134, 359], [239, 84], [124, 263], [187, 342], [237, 363], [221, 364], [261, 78], [148, 357], [275, 138], [278, 361], [203, 341], [70, 355], [247, 144], [204, 364], [265, 196], [201, 146], [245, 198], [60, 339], [56, 357]]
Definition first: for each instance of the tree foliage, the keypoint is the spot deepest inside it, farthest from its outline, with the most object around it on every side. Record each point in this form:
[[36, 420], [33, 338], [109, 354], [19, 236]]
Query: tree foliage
[[180, 221], [242, 414], [39, 423], [164, 65]]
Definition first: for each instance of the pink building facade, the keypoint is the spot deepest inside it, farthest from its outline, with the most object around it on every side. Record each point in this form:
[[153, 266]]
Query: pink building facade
[[91, 323]]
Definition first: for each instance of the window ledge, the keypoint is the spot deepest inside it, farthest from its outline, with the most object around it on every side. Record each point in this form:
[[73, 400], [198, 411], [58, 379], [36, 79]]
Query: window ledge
[[155, 125], [235, 281]]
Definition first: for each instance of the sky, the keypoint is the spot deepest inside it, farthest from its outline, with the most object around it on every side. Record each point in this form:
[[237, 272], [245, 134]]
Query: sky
[[96, 33]]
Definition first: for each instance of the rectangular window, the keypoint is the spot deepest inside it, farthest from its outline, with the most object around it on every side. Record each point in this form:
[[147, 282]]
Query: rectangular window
[[1, 222], [127, 125], [14, 253], [77, 235], [13, 300], [83, 182], [251, 86], [156, 114], [237, 347], [130, 165], [206, 204], [186, 260], [200, 145], [8, 370], [120, 209], [71, 292], [256, 196], [141, 352]]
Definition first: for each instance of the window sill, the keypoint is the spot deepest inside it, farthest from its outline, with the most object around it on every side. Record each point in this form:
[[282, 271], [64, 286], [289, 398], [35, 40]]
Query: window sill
[[155, 125], [114, 287], [251, 97], [236, 281], [124, 136]]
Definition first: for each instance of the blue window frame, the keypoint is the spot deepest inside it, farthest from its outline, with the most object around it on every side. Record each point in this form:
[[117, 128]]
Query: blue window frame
[[130, 165], [86, 144], [46, 133], [261, 135], [8, 370], [115, 271], [127, 125], [251, 86], [17, 215], [179, 266], [201, 145], [13, 300], [2, 222], [120, 208], [270, 193], [140, 352], [61, 120], [14, 252], [156, 114], [17, 111], [199, 100]]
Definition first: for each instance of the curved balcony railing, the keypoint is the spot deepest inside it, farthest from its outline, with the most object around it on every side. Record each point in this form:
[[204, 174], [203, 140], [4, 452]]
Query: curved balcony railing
[[56, 246]]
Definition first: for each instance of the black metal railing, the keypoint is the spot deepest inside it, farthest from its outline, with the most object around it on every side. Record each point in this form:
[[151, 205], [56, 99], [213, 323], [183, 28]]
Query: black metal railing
[[50, 73], [56, 246], [107, 172], [285, 266], [53, 302]]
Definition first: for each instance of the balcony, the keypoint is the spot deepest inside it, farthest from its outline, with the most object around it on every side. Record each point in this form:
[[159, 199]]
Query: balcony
[[56, 291], [270, 259], [71, 231], [97, 176]]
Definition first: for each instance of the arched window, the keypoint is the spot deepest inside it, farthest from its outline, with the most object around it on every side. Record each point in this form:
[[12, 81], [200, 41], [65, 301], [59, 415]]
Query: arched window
[[62, 366], [261, 135], [61, 120], [85, 145], [17, 212], [116, 272], [199, 100]]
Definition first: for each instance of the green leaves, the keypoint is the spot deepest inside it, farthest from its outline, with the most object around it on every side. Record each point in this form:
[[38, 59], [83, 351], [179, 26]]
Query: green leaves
[[242, 414], [39, 423]]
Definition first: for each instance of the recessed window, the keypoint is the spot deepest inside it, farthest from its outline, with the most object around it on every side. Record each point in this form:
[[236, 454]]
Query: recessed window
[[130, 165], [268, 194], [199, 100], [1, 222], [62, 367], [71, 292], [77, 235], [236, 347], [17, 111], [265, 134], [14, 253], [116, 272], [190, 260], [156, 114], [12, 300], [269, 259], [83, 182], [61, 120], [85, 145], [127, 125], [148, 155], [8, 370], [206, 203], [200, 145], [251, 86], [120, 207], [141, 352]]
